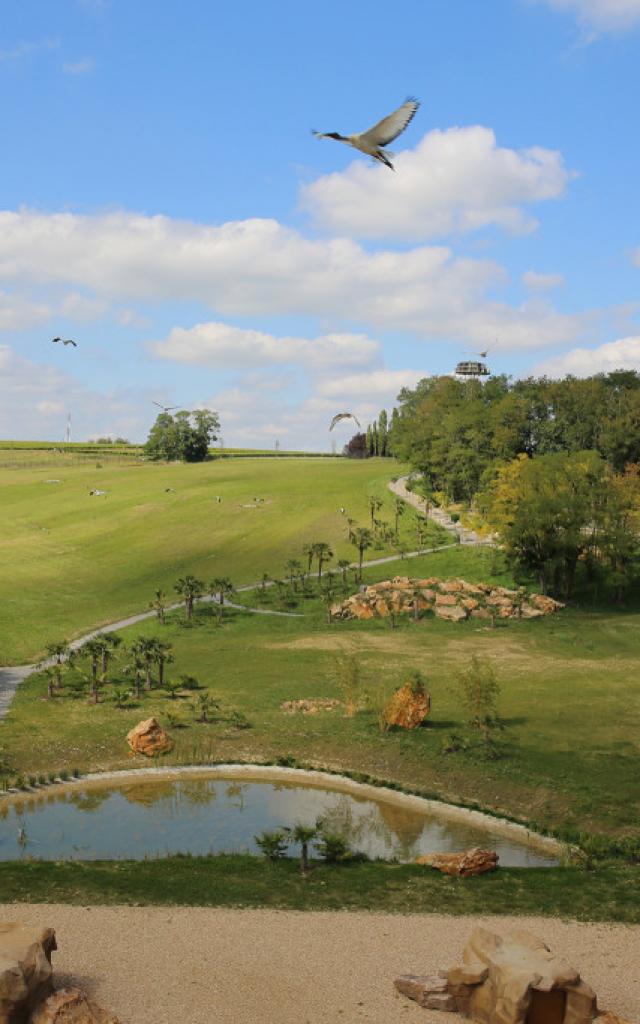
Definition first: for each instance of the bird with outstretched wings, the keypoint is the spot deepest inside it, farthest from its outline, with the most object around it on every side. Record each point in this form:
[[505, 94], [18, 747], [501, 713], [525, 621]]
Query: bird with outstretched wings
[[344, 416], [65, 341], [373, 141]]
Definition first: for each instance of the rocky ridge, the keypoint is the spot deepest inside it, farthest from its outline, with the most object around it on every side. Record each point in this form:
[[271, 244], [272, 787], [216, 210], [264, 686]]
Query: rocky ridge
[[454, 600]]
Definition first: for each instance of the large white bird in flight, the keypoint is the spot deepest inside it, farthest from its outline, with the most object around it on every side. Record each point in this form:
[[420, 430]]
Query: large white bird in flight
[[373, 141]]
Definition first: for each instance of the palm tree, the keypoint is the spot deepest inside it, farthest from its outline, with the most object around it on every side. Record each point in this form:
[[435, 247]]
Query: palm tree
[[350, 525], [93, 649], [375, 504], [303, 834], [265, 579], [59, 652], [323, 553], [110, 643], [159, 605], [294, 569], [205, 706], [145, 648], [163, 656], [399, 509], [362, 539], [223, 587], [308, 553], [135, 668], [190, 589], [343, 566]]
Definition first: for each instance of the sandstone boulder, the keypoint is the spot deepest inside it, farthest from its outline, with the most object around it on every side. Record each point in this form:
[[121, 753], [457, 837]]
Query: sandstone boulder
[[408, 707], [607, 1017], [462, 865], [25, 969], [447, 600], [149, 738], [71, 1006], [429, 991], [455, 614]]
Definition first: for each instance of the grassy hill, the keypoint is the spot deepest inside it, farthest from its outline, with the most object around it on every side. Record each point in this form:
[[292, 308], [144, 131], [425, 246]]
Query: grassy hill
[[70, 561]]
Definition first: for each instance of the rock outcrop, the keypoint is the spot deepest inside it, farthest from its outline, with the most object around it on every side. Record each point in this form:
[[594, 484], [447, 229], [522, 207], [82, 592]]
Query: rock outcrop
[[25, 969], [408, 707], [429, 991], [453, 600], [511, 979], [462, 865], [149, 738], [71, 1006], [307, 706]]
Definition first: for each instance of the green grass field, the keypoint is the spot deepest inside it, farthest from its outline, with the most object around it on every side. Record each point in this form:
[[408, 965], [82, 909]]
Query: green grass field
[[70, 562], [570, 698]]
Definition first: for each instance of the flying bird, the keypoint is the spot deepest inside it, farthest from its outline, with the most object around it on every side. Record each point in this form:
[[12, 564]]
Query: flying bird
[[165, 408], [343, 416], [65, 341], [373, 141]]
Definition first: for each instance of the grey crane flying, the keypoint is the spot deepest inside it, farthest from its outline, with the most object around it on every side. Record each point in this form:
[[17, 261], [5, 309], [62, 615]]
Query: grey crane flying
[[373, 141], [65, 341], [343, 416]]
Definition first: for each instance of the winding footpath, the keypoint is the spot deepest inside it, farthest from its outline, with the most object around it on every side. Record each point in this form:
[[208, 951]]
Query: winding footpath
[[12, 676]]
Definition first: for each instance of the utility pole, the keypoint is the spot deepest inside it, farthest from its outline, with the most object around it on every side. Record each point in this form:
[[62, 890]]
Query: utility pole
[[67, 433]]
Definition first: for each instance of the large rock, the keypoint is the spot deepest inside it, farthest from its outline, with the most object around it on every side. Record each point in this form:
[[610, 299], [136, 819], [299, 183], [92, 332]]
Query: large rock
[[25, 969], [462, 865], [455, 614], [429, 991], [149, 738], [607, 1017], [408, 707], [525, 982], [71, 1006]]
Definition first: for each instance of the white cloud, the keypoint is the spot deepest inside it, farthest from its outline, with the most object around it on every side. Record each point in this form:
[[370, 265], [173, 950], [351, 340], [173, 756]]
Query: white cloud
[[457, 180], [17, 313], [27, 47], [623, 354], [35, 399], [252, 267], [542, 282], [383, 385], [79, 67], [601, 15], [222, 345]]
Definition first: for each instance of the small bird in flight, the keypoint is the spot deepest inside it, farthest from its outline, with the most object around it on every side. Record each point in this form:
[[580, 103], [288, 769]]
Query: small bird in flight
[[66, 341], [165, 408], [343, 416], [373, 141]]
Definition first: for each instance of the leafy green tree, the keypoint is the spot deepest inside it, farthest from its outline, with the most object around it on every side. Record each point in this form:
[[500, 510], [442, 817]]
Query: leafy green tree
[[185, 436], [190, 589], [542, 509], [480, 689]]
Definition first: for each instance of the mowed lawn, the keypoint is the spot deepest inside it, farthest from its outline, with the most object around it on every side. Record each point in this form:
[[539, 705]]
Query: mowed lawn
[[570, 698], [70, 562]]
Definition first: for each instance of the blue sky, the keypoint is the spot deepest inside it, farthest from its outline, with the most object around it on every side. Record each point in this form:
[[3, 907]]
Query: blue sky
[[164, 203]]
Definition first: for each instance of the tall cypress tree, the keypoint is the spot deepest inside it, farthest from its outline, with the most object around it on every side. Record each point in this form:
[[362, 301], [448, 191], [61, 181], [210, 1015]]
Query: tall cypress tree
[[383, 431]]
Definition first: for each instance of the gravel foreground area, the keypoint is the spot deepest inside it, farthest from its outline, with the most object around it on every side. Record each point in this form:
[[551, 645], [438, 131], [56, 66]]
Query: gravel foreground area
[[180, 965]]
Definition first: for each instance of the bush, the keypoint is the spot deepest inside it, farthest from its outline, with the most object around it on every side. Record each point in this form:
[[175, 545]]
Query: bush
[[333, 848], [273, 844]]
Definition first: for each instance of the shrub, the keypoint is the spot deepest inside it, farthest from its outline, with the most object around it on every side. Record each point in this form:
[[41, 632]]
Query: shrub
[[333, 848], [273, 844], [286, 761]]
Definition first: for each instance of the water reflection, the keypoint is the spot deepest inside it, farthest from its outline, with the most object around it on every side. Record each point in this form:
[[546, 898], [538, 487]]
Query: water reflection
[[203, 815]]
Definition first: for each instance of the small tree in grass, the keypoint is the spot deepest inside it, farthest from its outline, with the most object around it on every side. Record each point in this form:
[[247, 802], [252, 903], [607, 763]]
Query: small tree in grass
[[59, 652], [304, 835], [349, 679], [273, 844], [205, 707], [362, 539], [480, 690], [159, 605], [343, 566], [190, 589]]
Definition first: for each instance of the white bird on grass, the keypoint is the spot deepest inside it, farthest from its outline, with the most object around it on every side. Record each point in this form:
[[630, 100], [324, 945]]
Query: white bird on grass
[[373, 141]]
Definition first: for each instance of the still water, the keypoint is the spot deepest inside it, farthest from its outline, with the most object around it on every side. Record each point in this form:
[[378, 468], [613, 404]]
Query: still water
[[134, 819]]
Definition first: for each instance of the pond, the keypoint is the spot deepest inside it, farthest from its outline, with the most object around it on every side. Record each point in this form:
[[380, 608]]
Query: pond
[[200, 815]]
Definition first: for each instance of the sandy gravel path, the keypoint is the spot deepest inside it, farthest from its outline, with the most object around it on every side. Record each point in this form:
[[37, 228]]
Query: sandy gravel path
[[208, 966]]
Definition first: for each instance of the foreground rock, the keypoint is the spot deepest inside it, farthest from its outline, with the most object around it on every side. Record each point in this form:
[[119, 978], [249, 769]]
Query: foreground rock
[[452, 600], [25, 969], [462, 865], [408, 707], [149, 738], [511, 979], [71, 1006]]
